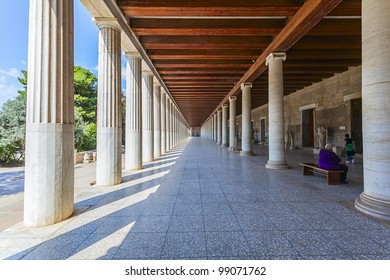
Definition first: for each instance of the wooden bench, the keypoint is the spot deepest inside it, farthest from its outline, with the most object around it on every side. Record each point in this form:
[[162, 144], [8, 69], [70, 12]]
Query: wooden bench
[[333, 176]]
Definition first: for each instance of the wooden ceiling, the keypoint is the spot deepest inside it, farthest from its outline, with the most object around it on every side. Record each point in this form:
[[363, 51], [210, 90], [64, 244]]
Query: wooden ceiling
[[203, 50]]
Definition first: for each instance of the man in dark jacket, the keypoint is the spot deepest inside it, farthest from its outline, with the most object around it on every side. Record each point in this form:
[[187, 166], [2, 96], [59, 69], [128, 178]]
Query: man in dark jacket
[[329, 160]]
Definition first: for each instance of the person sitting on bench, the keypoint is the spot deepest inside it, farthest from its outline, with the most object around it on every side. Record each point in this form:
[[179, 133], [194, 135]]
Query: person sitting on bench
[[329, 160]]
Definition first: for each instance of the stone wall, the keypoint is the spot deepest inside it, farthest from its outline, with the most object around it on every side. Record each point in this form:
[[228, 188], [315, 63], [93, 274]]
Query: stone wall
[[330, 102]]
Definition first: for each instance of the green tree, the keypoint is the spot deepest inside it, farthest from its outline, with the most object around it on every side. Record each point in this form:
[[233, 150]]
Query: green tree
[[12, 129], [13, 116], [85, 101], [85, 93]]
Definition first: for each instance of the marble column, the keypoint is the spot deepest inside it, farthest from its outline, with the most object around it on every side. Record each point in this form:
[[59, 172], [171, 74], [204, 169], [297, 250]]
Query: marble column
[[224, 125], [157, 119], [163, 123], [109, 112], [375, 200], [219, 127], [246, 139], [167, 123], [277, 158], [49, 169], [147, 117], [215, 127], [133, 150], [232, 124], [171, 125]]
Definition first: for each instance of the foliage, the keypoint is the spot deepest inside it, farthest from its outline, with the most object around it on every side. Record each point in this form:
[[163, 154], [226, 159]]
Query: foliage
[[85, 100], [85, 93], [13, 117], [84, 133], [12, 129]]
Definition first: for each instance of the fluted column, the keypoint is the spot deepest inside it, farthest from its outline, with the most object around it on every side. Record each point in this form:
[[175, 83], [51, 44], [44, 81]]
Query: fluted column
[[224, 124], [215, 119], [232, 123], [133, 150], [49, 170], [168, 122], [375, 200], [109, 112], [277, 158], [157, 119], [246, 140], [171, 145], [163, 123], [219, 127], [147, 117]]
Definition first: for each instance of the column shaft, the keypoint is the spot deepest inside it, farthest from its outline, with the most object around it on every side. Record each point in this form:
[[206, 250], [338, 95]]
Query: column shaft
[[147, 117], [219, 127], [232, 123], [224, 125], [375, 200], [168, 122], [109, 112], [163, 123], [277, 158], [49, 169], [246, 140], [157, 119], [133, 156]]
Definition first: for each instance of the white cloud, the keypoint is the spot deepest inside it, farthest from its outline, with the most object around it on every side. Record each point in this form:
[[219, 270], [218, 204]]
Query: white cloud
[[12, 72], [8, 89]]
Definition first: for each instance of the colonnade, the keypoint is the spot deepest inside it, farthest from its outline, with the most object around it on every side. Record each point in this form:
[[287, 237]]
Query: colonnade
[[154, 124], [217, 126], [375, 200]]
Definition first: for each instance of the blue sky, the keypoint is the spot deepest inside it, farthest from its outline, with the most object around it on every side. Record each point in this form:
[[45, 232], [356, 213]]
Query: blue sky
[[14, 43]]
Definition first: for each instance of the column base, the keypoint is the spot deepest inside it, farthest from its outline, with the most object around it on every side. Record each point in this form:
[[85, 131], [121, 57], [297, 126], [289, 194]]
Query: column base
[[224, 146], [277, 165], [374, 207], [246, 153], [233, 149]]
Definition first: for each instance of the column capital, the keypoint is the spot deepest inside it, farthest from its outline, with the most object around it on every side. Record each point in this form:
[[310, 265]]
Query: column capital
[[275, 55], [147, 73], [219, 110], [244, 85], [130, 55], [232, 98], [103, 22], [225, 105]]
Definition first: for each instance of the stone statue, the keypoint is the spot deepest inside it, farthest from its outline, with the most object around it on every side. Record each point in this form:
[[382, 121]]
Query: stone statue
[[287, 140], [291, 139], [87, 158], [322, 136]]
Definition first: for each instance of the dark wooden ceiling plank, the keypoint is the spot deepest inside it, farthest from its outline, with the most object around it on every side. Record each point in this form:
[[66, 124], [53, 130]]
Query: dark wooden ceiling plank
[[226, 46], [239, 32], [139, 12]]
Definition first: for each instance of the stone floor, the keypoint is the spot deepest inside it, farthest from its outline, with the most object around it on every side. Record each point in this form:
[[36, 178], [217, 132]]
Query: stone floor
[[200, 201]]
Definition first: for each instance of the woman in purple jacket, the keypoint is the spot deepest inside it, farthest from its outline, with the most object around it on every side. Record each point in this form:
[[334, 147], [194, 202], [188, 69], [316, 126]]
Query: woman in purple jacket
[[329, 160]]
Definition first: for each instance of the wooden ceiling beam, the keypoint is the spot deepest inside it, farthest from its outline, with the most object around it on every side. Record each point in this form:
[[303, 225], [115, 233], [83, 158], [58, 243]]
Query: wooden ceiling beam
[[207, 11], [302, 22]]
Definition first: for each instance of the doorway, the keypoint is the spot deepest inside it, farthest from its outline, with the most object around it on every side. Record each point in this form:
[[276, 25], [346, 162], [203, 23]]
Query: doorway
[[262, 130], [356, 124], [308, 128]]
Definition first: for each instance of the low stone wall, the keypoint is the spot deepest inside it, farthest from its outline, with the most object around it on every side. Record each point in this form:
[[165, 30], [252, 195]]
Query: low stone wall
[[84, 157]]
